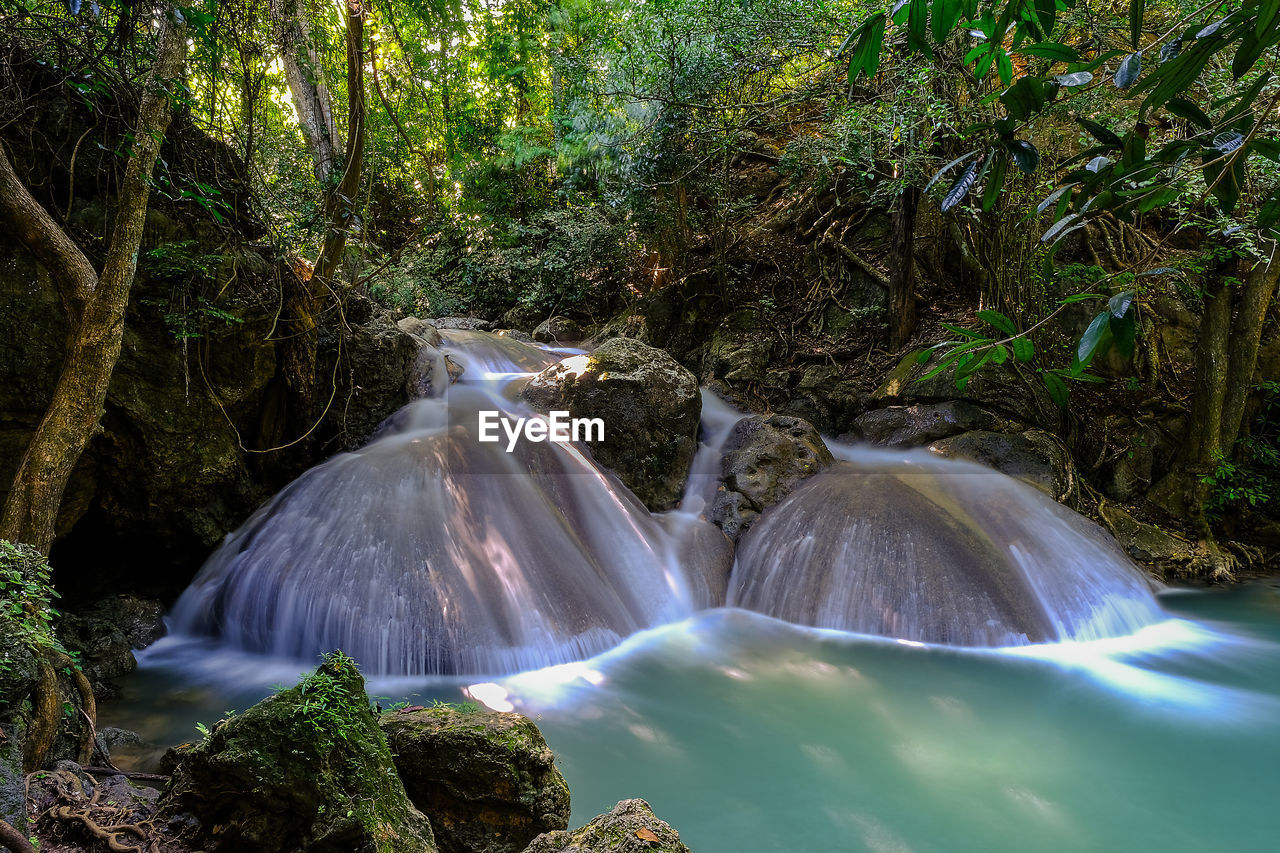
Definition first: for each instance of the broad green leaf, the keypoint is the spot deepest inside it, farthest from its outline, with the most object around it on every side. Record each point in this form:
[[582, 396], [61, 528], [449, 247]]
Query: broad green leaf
[[1023, 349], [1076, 78], [944, 17], [1025, 155], [1184, 109], [918, 26], [1269, 213], [1024, 98], [1057, 388], [1122, 335], [1052, 50], [1136, 9], [1093, 338], [1056, 228], [1119, 304], [948, 168], [995, 183], [1100, 133], [1000, 354], [1000, 321], [1052, 197], [961, 187]]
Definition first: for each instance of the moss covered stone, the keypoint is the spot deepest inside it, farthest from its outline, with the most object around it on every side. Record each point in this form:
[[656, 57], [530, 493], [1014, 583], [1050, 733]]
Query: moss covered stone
[[304, 770], [650, 406], [631, 827], [487, 780]]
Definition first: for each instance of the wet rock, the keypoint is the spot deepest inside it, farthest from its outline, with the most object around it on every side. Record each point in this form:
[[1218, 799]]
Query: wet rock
[[650, 406], [486, 780], [631, 827], [1002, 389], [107, 634], [515, 335], [420, 328], [1166, 554], [522, 317], [765, 458], [1034, 456], [739, 350], [922, 423], [466, 324], [18, 679], [307, 769], [558, 330]]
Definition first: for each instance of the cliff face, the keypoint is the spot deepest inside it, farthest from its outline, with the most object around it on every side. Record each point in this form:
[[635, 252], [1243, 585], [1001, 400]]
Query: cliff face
[[229, 353]]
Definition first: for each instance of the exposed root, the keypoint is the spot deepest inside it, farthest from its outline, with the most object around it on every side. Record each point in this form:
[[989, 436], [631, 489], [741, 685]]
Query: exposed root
[[121, 827], [13, 840]]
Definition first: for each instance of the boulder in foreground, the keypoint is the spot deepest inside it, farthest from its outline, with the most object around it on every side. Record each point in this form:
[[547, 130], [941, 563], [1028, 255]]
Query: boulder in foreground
[[486, 780], [631, 827], [306, 771]]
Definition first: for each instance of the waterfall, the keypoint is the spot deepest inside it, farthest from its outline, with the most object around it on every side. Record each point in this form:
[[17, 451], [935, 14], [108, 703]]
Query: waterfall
[[429, 552], [920, 548]]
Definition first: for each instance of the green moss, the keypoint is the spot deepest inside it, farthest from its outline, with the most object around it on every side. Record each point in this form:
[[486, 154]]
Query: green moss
[[306, 769]]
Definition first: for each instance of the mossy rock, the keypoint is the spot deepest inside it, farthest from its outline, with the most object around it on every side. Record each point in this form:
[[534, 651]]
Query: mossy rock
[[305, 770], [650, 406], [487, 780], [631, 827]]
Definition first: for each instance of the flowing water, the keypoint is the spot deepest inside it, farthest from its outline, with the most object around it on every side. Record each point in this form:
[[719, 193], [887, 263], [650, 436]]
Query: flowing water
[[1027, 689]]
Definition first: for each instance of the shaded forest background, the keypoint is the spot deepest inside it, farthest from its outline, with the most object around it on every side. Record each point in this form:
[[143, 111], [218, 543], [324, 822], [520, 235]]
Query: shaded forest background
[[736, 181]]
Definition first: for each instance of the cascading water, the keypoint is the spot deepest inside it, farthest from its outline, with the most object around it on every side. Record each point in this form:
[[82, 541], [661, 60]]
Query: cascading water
[[934, 550], [430, 552]]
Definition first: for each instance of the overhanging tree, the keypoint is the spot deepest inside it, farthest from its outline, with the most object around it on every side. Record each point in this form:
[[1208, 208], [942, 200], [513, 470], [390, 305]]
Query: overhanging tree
[[94, 302]]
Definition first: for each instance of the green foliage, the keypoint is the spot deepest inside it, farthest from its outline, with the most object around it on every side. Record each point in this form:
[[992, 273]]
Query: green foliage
[[1250, 480], [27, 595], [565, 260]]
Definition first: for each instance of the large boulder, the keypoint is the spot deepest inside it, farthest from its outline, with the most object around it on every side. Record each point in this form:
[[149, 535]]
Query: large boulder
[[631, 827], [1164, 553], [107, 633], [1034, 456], [650, 406], [486, 780], [558, 330], [739, 350], [307, 769], [920, 423], [765, 458], [1006, 389]]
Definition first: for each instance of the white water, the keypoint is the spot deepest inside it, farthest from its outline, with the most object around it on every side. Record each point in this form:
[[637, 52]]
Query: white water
[[428, 552], [913, 546]]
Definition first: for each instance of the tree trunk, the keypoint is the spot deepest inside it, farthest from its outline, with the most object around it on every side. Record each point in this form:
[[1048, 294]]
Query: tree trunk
[[95, 308], [902, 270], [305, 78], [1226, 358], [340, 200]]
